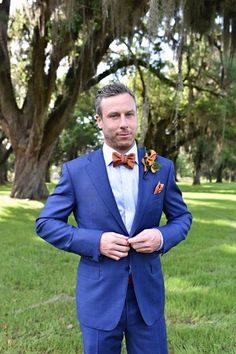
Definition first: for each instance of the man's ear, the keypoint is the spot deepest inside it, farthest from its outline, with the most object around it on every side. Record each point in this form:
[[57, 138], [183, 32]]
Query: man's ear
[[99, 120]]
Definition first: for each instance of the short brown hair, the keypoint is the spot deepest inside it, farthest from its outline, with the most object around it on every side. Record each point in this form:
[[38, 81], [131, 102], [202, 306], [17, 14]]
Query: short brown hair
[[117, 88]]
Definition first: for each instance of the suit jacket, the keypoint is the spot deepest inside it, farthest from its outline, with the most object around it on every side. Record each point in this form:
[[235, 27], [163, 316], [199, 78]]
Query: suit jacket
[[84, 189]]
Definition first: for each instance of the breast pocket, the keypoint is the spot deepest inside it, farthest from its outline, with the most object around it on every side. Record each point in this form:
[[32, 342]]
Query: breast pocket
[[157, 197], [89, 269]]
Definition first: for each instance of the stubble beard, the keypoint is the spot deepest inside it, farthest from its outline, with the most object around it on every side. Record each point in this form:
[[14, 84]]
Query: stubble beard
[[124, 146]]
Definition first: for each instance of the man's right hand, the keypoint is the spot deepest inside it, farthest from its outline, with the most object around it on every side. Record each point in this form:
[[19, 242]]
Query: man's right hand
[[114, 245]]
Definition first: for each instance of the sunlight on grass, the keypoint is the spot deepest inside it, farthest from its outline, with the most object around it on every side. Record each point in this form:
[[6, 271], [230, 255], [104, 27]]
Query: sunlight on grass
[[228, 248], [178, 285], [219, 222], [209, 188], [218, 204], [205, 196]]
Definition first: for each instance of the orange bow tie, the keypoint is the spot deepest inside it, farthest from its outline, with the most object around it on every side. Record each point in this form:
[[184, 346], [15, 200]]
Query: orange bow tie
[[126, 160]]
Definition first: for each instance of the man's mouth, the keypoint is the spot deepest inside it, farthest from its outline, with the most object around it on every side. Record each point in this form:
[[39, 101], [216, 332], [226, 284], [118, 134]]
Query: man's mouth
[[124, 135]]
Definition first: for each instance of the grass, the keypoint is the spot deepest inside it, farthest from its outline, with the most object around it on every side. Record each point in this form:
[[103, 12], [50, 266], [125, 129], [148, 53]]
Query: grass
[[200, 275], [37, 281]]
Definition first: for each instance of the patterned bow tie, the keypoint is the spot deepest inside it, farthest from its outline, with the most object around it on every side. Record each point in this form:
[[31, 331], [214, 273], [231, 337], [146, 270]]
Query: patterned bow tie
[[126, 160]]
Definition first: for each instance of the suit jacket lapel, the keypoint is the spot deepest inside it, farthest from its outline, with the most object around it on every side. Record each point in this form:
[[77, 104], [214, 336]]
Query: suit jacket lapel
[[145, 187], [96, 170]]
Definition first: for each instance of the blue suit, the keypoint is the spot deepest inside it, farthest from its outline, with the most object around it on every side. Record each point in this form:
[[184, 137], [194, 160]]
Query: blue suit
[[102, 282]]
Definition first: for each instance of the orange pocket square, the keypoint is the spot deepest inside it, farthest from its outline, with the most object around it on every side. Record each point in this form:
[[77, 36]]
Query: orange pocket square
[[159, 188]]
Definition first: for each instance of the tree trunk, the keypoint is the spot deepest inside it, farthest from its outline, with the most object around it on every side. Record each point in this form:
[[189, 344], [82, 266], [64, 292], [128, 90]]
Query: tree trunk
[[34, 128], [197, 167], [48, 172], [197, 177], [219, 173], [3, 173], [4, 155], [30, 175]]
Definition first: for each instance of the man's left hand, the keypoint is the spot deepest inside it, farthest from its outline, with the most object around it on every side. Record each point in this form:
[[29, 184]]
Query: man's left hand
[[147, 241]]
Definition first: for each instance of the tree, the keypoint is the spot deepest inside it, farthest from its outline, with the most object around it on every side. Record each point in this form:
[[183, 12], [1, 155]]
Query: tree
[[78, 32], [81, 135], [5, 152]]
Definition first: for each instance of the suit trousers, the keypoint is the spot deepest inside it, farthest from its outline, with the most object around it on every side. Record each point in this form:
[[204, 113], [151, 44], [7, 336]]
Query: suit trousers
[[140, 338]]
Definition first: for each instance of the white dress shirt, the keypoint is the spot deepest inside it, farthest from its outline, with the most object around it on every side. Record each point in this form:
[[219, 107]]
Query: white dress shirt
[[124, 185]]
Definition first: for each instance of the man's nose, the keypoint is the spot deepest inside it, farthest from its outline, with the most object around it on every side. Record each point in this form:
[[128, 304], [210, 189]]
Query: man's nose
[[123, 121]]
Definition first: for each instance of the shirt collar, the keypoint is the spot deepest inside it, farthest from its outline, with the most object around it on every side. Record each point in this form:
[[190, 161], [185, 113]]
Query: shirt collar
[[107, 153]]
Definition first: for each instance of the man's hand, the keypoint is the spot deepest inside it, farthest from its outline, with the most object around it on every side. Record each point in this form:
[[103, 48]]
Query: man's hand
[[147, 241], [113, 245]]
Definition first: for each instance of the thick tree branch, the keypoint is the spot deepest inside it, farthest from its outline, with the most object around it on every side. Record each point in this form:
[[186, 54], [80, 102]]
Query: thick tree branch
[[79, 80], [129, 61], [9, 109], [84, 67], [35, 101]]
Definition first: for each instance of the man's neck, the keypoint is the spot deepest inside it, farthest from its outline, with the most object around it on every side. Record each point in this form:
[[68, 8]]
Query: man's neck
[[121, 151]]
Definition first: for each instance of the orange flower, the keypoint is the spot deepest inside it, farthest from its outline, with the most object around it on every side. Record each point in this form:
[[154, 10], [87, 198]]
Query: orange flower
[[149, 162], [151, 157]]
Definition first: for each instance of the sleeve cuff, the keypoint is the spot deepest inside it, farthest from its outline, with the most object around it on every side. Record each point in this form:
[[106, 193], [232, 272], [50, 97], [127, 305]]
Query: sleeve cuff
[[162, 241], [161, 244]]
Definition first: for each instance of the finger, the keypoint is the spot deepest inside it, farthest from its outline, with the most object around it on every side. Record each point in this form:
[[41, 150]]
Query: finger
[[122, 237], [119, 239], [137, 239], [144, 250], [121, 248], [142, 247], [120, 242], [118, 255], [111, 247], [139, 247], [113, 257]]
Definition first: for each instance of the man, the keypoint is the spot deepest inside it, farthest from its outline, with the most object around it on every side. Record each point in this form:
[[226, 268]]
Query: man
[[117, 206]]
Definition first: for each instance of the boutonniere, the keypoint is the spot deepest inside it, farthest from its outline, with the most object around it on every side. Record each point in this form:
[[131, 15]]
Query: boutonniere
[[150, 163], [159, 188]]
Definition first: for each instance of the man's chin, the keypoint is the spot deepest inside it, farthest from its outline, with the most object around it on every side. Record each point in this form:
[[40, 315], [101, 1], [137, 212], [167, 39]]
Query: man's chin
[[125, 145]]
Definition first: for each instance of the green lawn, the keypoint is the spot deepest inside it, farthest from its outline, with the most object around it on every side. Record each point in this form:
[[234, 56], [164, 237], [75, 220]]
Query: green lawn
[[37, 282]]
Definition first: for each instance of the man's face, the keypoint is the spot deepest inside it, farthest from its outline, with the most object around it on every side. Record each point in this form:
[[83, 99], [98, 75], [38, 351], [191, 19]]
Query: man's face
[[118, 121]]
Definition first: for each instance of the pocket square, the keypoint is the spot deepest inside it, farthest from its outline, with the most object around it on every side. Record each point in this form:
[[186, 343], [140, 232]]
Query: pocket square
[[159, 188]]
